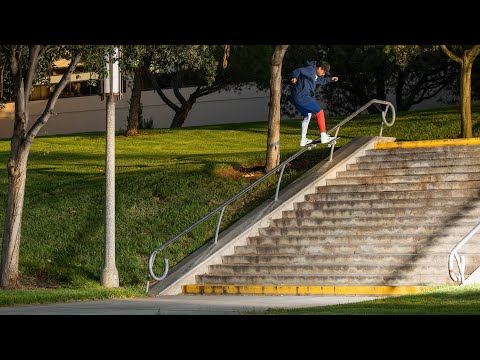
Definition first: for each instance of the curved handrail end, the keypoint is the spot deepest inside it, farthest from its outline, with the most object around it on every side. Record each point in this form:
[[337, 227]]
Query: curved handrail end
[[150, 267]]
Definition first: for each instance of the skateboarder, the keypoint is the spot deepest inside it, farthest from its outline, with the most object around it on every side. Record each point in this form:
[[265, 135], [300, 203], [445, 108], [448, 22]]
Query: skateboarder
[[305, 80]]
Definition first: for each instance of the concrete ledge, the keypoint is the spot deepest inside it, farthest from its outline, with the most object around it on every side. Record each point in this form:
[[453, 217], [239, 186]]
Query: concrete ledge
[[426, 143], [474, 277], [301, 290], [236, 235]]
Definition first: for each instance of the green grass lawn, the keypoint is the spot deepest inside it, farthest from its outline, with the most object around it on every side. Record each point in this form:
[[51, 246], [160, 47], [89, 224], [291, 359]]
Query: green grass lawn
[[442, 300], [166, 179]]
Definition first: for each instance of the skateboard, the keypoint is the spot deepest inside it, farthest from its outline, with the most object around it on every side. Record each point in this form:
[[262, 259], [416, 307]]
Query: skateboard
[[316, 142]]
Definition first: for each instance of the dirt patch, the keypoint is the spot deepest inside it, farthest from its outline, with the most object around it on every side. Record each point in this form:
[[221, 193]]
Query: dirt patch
[[37, 281], [253, 172], [257, 171]]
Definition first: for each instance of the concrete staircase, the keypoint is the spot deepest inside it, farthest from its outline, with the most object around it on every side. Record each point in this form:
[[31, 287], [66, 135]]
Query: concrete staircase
[[388, 221]]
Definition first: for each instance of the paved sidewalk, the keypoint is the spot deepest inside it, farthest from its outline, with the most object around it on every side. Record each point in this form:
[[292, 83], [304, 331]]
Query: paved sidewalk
[[181, 305]]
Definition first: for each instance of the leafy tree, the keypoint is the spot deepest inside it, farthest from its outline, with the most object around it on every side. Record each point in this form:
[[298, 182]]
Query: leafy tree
[[27, 65], [423, 78], [247, 67], [415, 73], [199, 59], [154, 61], [137, 60], [199, 64], [421, 73], [465, 56]]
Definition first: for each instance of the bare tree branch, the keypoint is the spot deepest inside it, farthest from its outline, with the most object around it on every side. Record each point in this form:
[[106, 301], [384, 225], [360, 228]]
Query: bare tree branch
[[165, 99], [177, 92], [32, 68], [50, 104], [473, 52], [450, 54]]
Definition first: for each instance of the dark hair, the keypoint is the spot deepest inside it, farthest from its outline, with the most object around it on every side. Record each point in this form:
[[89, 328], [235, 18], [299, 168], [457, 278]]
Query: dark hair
[[325, 66]]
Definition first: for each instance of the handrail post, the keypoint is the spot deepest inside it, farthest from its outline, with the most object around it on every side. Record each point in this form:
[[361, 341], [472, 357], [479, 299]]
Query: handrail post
[[218, 223], [279, 181], [384, 116], [460, 259], [333, 144]]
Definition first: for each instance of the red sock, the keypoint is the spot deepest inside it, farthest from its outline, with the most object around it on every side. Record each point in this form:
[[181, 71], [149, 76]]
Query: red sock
[[321, 121]]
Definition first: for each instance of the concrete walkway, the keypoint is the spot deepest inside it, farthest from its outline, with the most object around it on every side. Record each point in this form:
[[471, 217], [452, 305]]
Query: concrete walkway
[[181, 305]]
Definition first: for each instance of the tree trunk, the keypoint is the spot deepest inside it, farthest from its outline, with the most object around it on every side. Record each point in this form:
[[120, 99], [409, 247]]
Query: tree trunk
[[182, 112], [273, 140], [181, 116], [399, 91], [135, 100], [19, 149], [17, 173], [2, 68], [465, 95], [466, 62]]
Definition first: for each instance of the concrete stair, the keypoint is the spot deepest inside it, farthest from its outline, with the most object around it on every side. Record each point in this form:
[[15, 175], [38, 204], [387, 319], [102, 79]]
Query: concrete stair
[[389, 220]]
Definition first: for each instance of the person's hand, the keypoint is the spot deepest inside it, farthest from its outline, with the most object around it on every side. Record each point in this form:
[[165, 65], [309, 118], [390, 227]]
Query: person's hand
[[294, 80], [335, 78]]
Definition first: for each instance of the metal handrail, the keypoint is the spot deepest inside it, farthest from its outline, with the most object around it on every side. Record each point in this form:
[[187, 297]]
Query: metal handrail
[[281, 166], [461, 259]]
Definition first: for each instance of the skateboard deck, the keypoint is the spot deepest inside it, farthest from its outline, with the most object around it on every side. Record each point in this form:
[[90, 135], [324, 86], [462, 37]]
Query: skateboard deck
[[316, 142]]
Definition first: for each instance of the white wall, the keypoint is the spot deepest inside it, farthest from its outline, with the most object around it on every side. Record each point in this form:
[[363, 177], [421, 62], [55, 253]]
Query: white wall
[[87, 113]]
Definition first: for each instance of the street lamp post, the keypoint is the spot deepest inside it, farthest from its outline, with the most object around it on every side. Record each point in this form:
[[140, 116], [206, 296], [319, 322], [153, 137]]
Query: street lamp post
[[111, 90]]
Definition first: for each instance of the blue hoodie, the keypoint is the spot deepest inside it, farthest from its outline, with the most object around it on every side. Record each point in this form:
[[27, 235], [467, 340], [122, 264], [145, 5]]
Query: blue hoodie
[[304, 89]]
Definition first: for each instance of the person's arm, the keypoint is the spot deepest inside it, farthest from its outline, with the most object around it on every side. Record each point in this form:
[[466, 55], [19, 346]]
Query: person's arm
[[322, 80], [295, 74]]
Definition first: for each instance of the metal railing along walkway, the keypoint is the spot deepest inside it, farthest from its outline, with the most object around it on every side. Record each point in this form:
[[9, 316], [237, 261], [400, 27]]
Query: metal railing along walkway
[[281, 168], [460, 259]]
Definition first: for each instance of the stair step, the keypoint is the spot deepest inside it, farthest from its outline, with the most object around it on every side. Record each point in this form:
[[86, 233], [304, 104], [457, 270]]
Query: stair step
[[440, 221], [378, 239], [422, 150], [422, 229], [414, 156], [363, 248], [466, 202], [454, 169], [441, 185], [331, 270], [367, 180], [413, 163], [441, 211], [345, 259], [345, 280], [413, 194]]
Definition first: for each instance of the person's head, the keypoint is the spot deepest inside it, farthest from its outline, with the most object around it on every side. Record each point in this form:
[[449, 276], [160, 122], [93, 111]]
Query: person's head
[[323, 68]]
